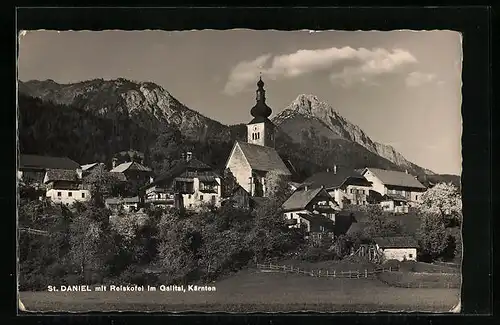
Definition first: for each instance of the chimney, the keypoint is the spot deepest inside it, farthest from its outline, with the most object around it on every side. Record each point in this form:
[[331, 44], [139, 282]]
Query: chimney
[[151, 180], [79, 173], [114, 162], [335, 169], [306, 187], [189, 155], [406, 171]]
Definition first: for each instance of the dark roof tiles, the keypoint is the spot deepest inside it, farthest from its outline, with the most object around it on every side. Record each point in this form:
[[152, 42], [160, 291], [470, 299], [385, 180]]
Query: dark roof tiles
[[263, 158], [46, 162], [396, 178], [396, 242]]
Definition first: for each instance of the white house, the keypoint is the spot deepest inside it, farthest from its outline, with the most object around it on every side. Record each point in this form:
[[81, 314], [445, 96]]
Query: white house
[[251, 161], [397, 248], [391, 182], [65, 186], [190, 184], [345, 185]]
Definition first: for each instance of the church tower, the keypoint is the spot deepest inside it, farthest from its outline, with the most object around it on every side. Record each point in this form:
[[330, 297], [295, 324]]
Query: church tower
[[260, 130]]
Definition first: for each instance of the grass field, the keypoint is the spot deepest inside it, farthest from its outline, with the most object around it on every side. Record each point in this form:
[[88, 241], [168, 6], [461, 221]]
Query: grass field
[[253, 291]]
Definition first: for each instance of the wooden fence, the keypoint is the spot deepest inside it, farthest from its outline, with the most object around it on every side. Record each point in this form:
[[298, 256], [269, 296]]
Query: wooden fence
[[356, 274], [453, 265], [352, 274], [34, 231]]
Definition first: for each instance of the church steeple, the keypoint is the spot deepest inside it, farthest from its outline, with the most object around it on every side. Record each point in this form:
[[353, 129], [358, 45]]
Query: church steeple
[[261, 110], [260, 130]]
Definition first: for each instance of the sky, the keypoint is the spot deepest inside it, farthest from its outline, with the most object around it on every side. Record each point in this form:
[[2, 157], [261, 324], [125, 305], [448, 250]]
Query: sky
[[403, 88]]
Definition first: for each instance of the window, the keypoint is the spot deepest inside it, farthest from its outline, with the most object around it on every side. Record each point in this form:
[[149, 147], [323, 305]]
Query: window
[[189, 196], [70, 194], [201, 197], [321, 228], [83, 195], [59, 194], [416, 197], [258, 135], [410, 255]]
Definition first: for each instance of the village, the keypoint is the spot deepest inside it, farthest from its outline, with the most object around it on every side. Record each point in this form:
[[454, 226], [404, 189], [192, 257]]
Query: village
[[322, 204]]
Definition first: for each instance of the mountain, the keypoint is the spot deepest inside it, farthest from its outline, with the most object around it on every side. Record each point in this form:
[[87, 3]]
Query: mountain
[[92, 120], [146, 103], [308, 119]]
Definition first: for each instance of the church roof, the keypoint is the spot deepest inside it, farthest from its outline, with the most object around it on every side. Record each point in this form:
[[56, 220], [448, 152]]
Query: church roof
[[263, 158]]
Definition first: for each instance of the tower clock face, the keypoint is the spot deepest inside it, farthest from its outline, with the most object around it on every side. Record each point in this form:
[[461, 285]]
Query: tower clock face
[[255, 128]]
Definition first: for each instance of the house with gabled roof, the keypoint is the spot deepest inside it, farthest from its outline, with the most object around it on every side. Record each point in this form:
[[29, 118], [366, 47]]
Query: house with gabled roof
[[189, 184], [251, 161], [401, 188], [32, 168], [345, 185], [313, 208], [65, 186], [133, 172]]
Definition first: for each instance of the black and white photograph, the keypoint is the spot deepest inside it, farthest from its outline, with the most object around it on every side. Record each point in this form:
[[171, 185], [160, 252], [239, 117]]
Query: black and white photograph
[[239, 171]]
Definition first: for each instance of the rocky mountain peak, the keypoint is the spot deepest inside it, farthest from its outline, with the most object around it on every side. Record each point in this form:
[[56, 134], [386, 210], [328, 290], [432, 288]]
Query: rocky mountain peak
[[308, 112]]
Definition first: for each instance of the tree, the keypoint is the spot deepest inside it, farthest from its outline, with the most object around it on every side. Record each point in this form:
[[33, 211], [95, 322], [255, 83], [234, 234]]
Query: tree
[[432, 237], [379, 225], [102, 184], [229, 183], [277, 186], [445, 201], [269, 236]]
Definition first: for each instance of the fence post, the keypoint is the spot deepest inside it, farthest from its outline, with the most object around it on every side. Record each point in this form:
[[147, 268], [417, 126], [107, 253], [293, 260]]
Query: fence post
[[349, 274], [319, 273], [334, 274], [390, 268], [327, 273], [366, 273]]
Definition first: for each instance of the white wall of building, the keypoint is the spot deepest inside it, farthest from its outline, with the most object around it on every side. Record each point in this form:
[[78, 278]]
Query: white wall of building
[[68, 196], [300, 221], [377, 184], [198, 199], [400, 254], [238, 165]]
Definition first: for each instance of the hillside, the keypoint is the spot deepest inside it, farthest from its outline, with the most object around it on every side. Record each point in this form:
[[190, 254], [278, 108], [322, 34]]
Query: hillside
[[145, 103], [92, 120], [308, 119]]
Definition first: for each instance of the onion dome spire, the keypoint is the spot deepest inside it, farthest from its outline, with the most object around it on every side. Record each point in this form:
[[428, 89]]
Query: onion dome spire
[[261, 109]]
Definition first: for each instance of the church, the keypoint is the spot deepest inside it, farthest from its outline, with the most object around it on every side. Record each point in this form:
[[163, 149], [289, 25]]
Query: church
[[251, 161]]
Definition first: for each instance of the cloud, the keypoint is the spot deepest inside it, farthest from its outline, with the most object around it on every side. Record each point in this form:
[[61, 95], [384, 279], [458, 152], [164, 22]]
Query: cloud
[[416, 78], [375, 63], [363, 65], [244, 74]]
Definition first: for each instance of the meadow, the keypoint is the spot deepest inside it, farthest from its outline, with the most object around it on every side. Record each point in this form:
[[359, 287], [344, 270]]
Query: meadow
[[254, 291]]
